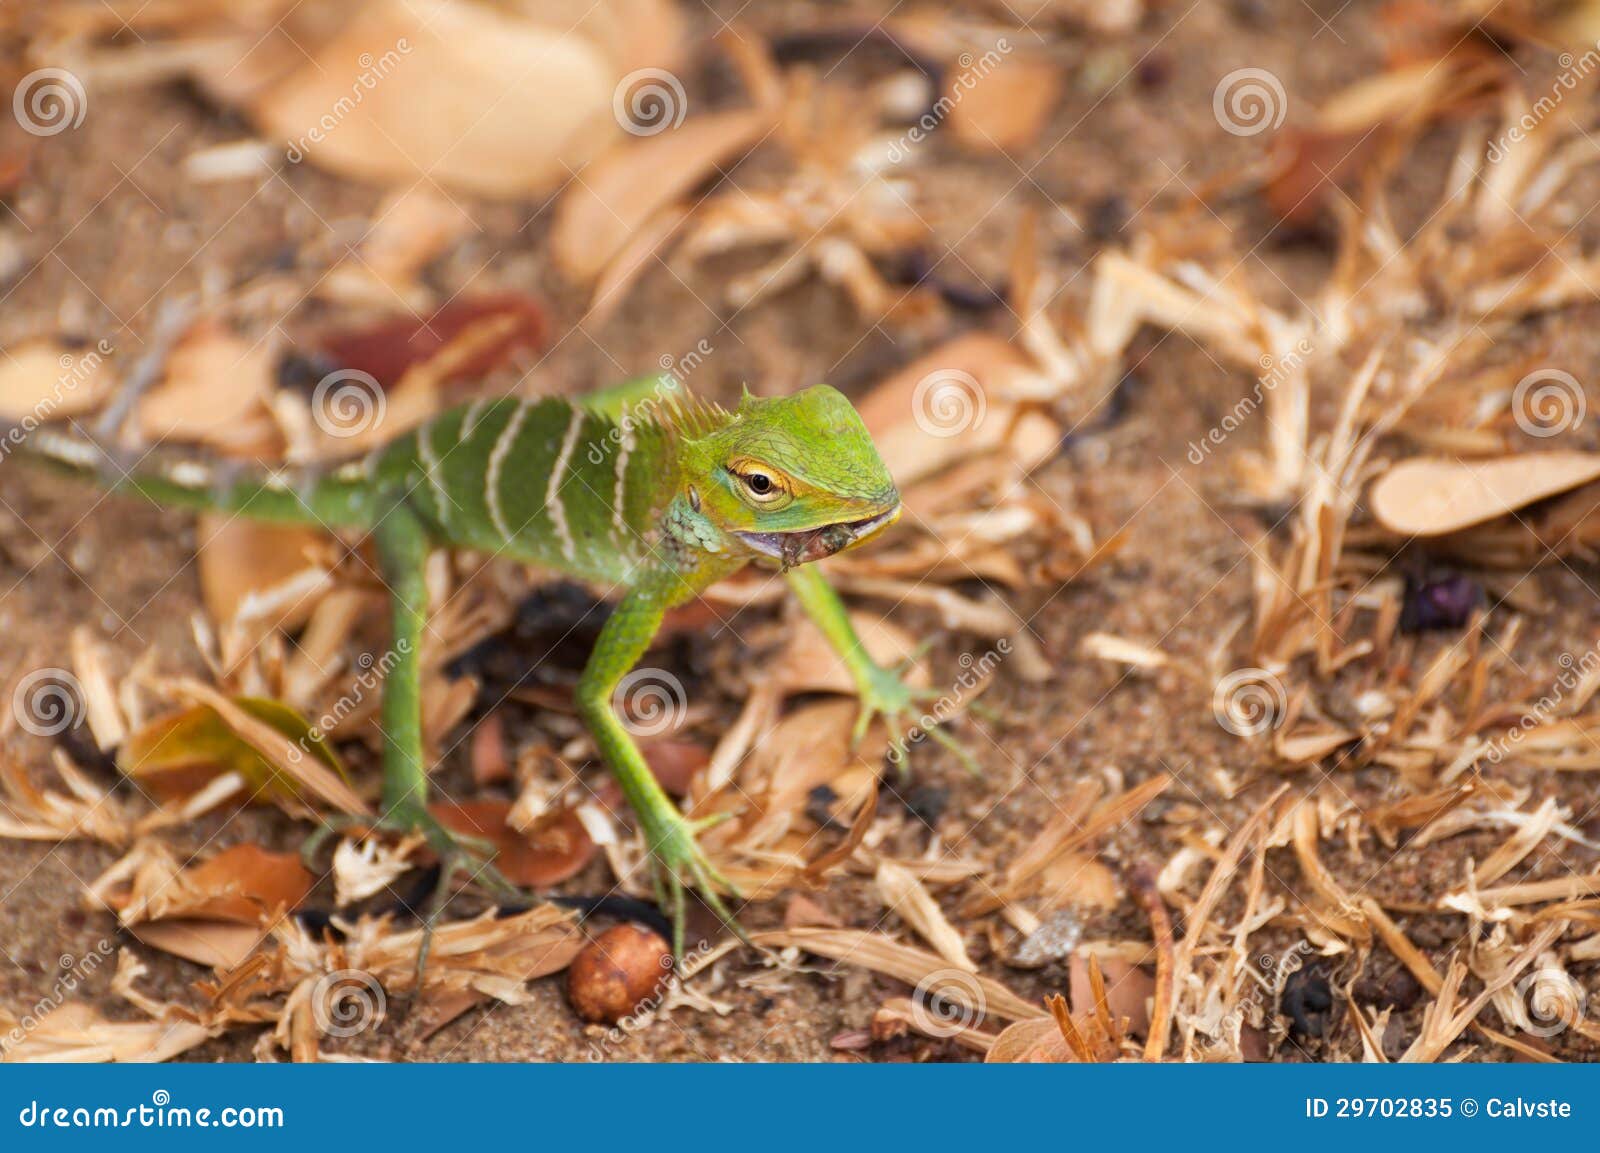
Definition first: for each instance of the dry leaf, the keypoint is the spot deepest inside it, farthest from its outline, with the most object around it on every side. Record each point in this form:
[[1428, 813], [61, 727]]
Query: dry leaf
[[622, 192], [1431, 496], [46, 380], [450, 90], [214, 392], [259, 576], [1006, 109], [177, 755], [555, 847]]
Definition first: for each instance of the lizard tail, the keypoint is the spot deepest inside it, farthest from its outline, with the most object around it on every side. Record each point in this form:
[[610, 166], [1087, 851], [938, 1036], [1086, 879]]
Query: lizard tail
[[295, 494]]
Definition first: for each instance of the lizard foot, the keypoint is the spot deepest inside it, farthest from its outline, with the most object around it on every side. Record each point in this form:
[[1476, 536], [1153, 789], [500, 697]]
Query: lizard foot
[[458, 856], [678, 864], [885, 693]]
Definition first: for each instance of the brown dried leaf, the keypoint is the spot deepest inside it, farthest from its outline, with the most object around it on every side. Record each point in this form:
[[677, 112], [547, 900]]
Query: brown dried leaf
[[906, 895], [311, 777], [462, 340], [1006, 109], [451, 91], [76, 1032], [46, 380], [177, 755], [30, 813], [885, 955], [214, 392], [260, 576], [555, 848], [1431, 496], [1037, 1041], [621, 193], [951, 404]]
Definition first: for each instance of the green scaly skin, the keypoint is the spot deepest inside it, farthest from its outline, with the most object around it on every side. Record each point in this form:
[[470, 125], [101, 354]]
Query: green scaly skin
[[639, 489]]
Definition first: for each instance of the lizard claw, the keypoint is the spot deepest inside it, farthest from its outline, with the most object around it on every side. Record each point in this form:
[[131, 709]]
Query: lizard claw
[[679, 864], [885, 693], [458, 855]]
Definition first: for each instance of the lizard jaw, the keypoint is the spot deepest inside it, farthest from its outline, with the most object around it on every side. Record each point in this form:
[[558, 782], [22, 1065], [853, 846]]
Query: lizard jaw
[[794, 548]]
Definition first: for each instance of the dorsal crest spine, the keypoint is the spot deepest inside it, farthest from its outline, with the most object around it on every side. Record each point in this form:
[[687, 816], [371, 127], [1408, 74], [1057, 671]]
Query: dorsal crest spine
[[693, 418]]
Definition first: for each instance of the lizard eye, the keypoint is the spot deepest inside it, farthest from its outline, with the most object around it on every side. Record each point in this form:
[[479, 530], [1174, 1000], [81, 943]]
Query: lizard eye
[[760, 487]]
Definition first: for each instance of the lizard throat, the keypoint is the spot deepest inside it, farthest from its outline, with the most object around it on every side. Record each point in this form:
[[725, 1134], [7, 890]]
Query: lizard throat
[[796, 548]]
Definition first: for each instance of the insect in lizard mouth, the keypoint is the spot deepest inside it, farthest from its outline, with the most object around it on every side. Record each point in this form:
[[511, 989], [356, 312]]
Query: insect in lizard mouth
[[794, 548]]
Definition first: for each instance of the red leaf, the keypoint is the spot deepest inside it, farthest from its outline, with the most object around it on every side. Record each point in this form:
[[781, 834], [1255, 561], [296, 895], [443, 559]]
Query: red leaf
[[498, 327]]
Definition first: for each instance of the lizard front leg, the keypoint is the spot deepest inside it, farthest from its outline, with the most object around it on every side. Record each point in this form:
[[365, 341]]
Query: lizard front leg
[[883, 691], [669, 835]]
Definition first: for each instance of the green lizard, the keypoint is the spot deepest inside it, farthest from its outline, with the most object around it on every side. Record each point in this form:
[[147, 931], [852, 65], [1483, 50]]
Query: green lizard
[[658, 497]]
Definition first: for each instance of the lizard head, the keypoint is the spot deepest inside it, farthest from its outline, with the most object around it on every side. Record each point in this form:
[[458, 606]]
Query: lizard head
[[794, 478]]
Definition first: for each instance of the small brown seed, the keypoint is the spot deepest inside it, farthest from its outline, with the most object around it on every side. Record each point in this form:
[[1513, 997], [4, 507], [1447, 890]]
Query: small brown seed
[[616, 971]]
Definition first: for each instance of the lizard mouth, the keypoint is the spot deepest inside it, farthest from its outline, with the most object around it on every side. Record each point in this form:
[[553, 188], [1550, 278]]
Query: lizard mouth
[[794, 548]]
